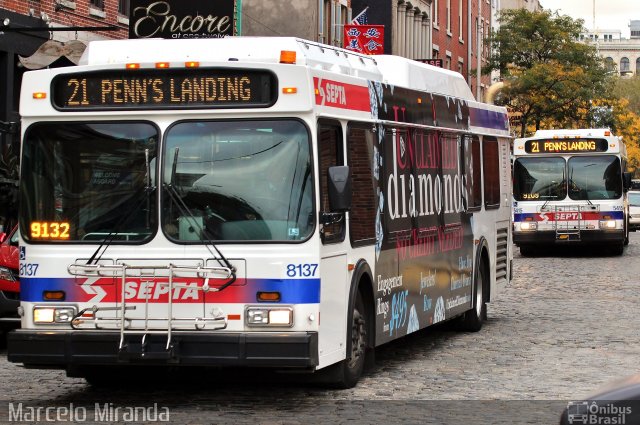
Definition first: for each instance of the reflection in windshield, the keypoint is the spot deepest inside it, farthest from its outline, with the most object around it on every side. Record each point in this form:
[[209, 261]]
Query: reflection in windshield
[[539, 179], [237, 180], [594, 177], [95, 177]]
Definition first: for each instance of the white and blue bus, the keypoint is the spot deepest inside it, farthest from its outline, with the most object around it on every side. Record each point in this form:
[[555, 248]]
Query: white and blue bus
[[569, 188], [267, 202]]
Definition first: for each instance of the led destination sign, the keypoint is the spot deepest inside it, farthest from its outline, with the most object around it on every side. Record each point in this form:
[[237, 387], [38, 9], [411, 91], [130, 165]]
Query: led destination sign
[[147, 89], [566, 145]]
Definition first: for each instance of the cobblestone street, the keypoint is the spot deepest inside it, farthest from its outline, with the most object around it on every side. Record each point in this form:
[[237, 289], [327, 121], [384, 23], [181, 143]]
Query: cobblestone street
[[564, 327]]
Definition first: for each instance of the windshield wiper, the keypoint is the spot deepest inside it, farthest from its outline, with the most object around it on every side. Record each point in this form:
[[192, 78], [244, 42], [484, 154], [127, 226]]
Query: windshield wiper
[[186, 212], [147, 189], [586, 197], [106, 242]]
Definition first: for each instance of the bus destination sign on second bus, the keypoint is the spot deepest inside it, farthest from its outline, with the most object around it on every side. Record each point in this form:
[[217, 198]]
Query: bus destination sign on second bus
[[565, 145], [152, 89]]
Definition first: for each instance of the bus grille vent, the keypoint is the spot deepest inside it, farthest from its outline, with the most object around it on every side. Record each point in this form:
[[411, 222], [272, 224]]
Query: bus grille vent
[[502, 254]]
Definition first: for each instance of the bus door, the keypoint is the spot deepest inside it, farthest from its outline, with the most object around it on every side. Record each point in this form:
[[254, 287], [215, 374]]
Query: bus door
[[334, 295]]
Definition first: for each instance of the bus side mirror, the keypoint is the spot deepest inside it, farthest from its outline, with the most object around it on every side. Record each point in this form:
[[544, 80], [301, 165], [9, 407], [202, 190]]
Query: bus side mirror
[[626, 180], [3, 237], [339, 189]]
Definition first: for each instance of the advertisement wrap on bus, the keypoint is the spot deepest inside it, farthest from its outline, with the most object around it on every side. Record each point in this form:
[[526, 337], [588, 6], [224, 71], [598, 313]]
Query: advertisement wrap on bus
[[292, 208]]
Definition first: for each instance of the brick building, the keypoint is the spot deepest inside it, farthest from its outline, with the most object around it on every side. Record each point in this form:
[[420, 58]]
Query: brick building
[[25, 27], [459, 44], [416, 29]]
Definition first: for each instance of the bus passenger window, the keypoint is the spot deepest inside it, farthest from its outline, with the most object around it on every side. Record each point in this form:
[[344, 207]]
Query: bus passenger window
[[361, 154], [491, 167]]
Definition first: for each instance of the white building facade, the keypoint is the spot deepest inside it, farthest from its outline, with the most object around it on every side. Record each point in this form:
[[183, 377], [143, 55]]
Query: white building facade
[[622, 54]]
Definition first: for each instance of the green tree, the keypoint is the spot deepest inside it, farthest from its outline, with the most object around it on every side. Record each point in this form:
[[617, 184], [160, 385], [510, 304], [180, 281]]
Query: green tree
[[548, 73]]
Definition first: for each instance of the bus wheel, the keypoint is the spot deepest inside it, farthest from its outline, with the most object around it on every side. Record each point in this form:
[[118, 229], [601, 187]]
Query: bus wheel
[[473, 319], [346, 374], [626, 232]]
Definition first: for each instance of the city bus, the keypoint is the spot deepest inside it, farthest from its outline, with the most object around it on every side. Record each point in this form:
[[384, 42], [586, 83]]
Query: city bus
[[252, 202], [569, 188]]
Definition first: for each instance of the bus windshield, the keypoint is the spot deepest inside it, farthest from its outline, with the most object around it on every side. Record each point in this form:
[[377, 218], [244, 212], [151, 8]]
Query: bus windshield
[[536, 178], [594, 177], [237, 180], [88, 182]]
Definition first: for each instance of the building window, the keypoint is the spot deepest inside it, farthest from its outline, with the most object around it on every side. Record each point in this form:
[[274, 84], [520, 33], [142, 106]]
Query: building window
[[436, 13], [624, 65], [610, 64], [461, 37], [638, 66], [474, 36], [449, 16], [487, 33], [342, 19], [98, 4], [123, 7]]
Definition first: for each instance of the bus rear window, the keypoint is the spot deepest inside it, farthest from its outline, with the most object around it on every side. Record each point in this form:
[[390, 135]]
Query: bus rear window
[[539, 179]]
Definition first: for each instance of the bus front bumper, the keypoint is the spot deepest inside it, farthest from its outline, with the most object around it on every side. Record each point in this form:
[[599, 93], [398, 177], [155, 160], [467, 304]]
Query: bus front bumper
[[586, 237], [52, 350]]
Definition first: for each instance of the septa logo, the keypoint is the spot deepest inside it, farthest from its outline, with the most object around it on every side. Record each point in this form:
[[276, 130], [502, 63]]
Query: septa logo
[[159, 291], [140, 290], [337, 94]]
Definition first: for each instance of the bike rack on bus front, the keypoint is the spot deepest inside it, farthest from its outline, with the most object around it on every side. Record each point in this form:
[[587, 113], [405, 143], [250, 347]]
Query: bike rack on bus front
[[89, 318], [569, 229]]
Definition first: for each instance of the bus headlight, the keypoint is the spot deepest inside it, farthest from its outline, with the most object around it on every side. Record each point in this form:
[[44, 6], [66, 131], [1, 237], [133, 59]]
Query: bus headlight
[[269, 316], [607, 224], [53, 314], [528, 225]]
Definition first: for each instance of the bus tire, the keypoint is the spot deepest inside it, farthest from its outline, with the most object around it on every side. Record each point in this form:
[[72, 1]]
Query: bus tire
[[473, 319], [347, 373], [626, 232]]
